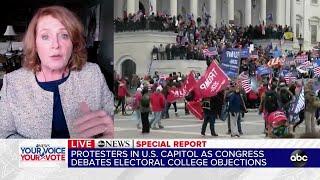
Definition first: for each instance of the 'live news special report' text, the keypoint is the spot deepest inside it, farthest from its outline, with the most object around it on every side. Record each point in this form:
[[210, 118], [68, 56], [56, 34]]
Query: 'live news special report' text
[[126, 153]]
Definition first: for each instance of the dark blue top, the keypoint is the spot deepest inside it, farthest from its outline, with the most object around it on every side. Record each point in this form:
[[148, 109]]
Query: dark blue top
[[235, 103], [59, 125]]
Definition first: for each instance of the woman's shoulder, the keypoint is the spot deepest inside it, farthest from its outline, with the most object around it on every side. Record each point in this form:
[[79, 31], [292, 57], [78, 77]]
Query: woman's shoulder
[[88, 70], [90, 67], [21, 74]]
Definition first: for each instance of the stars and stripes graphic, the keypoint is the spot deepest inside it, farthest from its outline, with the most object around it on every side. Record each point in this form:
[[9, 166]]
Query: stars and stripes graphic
[[290, 77], [316, 52], [270, 80], [301, 59], [300, 102], [210, 51], [244, 81], [307, 65], [316, 71]]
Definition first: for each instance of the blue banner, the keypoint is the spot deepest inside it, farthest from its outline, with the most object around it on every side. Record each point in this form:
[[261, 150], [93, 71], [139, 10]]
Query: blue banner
[[230, 62], [262, 70], [182, 158], [244, 53], [283, 72]]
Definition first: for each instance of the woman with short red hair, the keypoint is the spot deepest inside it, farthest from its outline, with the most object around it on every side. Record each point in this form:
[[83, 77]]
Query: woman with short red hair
[[56, 94]]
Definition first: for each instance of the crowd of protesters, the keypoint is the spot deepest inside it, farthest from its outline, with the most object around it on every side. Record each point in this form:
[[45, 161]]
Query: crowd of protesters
[[164, 22], [285, 95], [139, 21], [193, 37]]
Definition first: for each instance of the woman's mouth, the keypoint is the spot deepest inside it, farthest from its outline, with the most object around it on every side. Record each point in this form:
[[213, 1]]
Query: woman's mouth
[[56, 57]]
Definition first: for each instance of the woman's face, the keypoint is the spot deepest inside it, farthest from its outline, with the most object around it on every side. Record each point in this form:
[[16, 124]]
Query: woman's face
[[53, 43]]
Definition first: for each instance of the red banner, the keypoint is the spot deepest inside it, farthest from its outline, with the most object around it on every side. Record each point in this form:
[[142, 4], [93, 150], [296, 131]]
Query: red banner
[[190, 82], [213, 81], [191, 85], [175, 94], [196, 109]]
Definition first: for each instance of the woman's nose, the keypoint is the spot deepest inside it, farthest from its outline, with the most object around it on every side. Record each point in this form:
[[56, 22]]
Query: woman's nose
[[55, 43]]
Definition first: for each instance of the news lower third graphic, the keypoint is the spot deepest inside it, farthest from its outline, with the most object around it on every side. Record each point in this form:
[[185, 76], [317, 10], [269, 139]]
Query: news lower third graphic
[[125, 153]]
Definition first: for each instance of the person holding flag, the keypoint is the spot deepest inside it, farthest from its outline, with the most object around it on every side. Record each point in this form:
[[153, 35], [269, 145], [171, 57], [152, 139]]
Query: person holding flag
[[212, 107]]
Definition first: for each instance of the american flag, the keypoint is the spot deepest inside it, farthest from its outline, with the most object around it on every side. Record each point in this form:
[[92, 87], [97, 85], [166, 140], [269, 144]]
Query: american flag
[[245, 82], [210, 51], [300, 102], [307, 64], [301, 59], [289, 77], [316, 71], [316, 52], [270, 80]]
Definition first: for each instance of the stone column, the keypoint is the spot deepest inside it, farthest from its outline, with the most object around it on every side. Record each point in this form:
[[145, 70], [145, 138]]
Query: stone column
[[263, 11], [247, 19], [173, 7], [288, 12], [230, 10], [293, 17], [306, 32], [194, 8], [213, 12], [153, 3], [280, 12], [131, 6]]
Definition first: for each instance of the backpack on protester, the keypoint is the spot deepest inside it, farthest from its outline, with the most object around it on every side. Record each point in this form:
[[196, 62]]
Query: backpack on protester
[[285, 96], [270, 101], [145, 101]]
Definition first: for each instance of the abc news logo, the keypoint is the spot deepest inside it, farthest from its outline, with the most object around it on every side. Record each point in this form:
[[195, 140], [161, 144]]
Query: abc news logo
[[299, 158], [114, 143]]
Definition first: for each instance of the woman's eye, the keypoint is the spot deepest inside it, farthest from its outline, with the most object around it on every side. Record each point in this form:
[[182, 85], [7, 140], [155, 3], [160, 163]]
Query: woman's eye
[[65, 36], [44, 37]]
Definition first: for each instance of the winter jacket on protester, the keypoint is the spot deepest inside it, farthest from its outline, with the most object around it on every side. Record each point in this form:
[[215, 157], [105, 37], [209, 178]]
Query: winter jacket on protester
[[235, 103], [311, 101], [157, 102], [122, 90]]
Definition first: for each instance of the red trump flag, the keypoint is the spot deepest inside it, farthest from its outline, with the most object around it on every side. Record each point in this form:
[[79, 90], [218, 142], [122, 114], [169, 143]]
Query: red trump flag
[[175, 94], [190, 82], [191, 85], [213, 81], [196, 109]]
